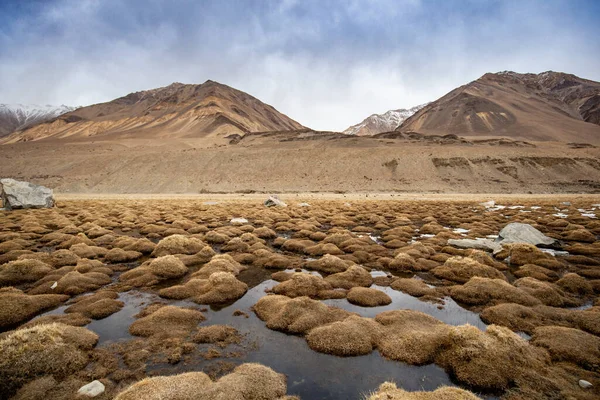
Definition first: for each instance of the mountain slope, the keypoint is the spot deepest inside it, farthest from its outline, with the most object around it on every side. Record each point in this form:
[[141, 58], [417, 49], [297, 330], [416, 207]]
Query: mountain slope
[[378, 123], [14, 117], [547, 106], [178, 110]]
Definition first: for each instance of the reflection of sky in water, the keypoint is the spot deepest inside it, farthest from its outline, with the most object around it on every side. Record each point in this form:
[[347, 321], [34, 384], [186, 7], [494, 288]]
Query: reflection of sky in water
[[311, 375]]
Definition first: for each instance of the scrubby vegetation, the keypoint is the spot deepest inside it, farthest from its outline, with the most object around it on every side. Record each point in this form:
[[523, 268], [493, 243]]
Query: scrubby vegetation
[[92, 265]]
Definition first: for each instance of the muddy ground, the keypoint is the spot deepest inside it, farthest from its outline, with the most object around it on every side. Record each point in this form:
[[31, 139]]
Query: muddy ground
[[323, 299]]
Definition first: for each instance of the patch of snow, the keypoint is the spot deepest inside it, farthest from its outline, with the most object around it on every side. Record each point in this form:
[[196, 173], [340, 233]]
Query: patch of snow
[[385, 122]]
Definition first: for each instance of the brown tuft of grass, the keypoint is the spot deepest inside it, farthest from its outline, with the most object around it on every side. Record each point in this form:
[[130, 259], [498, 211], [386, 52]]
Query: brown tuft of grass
[[21, 271], [187, 386], [51, 349], [178, 244], [85, 251], [484, 291], [302, 284], [505, 357], [353, 276], [402, 262], [575, 284], [548, 293], [368, 297], [411, 336], [221, 335], [97, 306], [417, 288], [297, 315], [537, 272], [354, 336], [154, 271], [461, 269], [219, 263], [118, 255], [167, 321], [17, 307], [72, 283], [389, 391], [568, 344], [220, 287], [329, 264]]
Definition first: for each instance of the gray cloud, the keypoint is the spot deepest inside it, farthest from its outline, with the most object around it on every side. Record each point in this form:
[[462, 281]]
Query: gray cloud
[[326, 64]]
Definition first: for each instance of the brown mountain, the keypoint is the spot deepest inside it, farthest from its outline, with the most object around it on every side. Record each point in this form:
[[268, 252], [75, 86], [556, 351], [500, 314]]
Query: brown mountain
[[549, 106], [209, 110]]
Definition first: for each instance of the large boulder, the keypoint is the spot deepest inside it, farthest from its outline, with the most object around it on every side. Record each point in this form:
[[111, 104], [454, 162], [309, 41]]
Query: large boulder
[[523, 233], [17, 194]]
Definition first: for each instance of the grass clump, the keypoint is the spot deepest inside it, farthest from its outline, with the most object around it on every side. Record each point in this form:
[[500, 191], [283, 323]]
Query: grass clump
[[220, 287], [178, 244], [154, 271], [368, 297], [51, 349], [389, 391], [118, 255], [461, 269], [97, 306], [353, 276], [222, 335], [303, 284], [21, 271], [328, 264], [219, 263], [411, 336], [297, 315], [17, 307], [484, 291], [167, 321], [568, 344], [353, 336]]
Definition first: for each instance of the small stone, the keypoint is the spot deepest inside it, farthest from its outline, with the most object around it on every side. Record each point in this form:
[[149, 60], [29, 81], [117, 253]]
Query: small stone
[[92, 389], [584, 384], [274, 201], [54, 285], [238, 221]]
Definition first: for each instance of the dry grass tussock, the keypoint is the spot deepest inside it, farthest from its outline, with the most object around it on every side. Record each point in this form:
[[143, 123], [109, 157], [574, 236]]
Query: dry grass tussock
[[389, 391], [484, 291], [353, 276], [219, 263], [222, 335], [411, 336], [153, 271], [220, 287], [178, 244], [297, 315], [461, 269], [303, 284], [97, 306], [353, 336], [17, 307], [417, 288], [51, 349], [520, 318], [328, 264], [167, 321], [368, 297], [21, 271], [247, 381], [568, 344]]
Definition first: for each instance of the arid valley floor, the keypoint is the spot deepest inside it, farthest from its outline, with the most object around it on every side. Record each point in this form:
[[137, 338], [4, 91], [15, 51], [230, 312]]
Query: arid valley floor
[[327, 298]]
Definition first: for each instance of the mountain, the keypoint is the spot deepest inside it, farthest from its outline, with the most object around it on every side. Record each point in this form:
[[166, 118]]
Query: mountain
[[14, 117], [378, 123], [551, 106], [179, 110]]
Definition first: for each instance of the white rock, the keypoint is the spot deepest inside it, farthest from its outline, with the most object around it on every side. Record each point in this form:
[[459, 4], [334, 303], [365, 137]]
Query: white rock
[[489, 204], [479, 243], [54, 285], [92, 389], [303, 205], [523, 233], [585, 384], [18, 194], [273, 201], [238, 221]]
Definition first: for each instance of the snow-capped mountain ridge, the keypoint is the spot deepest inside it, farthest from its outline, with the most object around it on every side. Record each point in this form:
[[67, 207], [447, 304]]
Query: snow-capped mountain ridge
[[14, 117], [385, 122]]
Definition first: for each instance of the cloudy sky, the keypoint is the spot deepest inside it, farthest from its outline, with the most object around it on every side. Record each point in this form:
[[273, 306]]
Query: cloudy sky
[[327, 64]]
